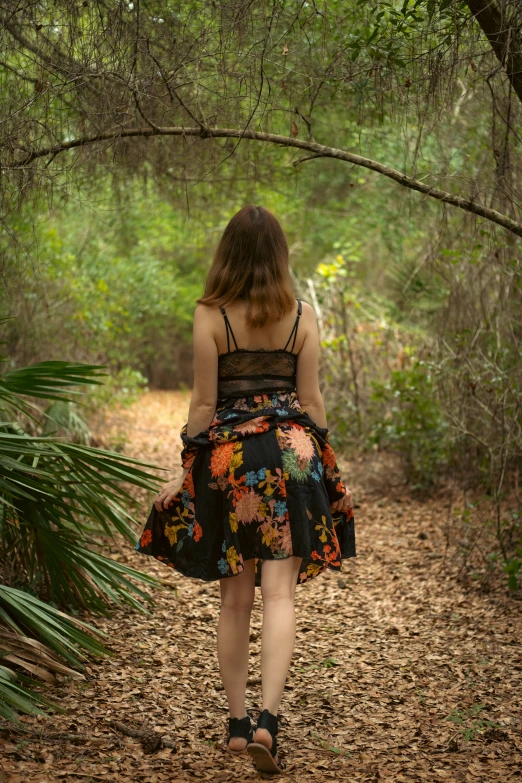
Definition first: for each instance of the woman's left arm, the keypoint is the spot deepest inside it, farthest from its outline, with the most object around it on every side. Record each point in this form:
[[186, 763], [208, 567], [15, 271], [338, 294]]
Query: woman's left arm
[[204, 392]]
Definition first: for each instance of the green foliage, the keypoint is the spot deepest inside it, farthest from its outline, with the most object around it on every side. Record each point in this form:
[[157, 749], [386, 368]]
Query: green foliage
[[46, 380], [60, 497], [511, 567], [104, 287], [467, 726], [59, 502], [362, 343], [63, 418], [23, 612], [121, 389], [411, 422], [391, 26], [23, 620], [15, 698]]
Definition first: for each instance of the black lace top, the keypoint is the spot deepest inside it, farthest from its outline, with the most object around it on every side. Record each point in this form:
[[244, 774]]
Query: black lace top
[[245, 371]]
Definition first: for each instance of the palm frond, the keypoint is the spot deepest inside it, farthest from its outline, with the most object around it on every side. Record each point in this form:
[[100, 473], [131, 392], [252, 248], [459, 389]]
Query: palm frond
[[33, 656], [16, 698], [38, 638], [49, 380], [59, 501], [68, 636]]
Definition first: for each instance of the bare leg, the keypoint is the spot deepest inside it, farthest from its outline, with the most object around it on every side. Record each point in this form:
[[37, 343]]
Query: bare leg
[[278, 583], [237, 598]]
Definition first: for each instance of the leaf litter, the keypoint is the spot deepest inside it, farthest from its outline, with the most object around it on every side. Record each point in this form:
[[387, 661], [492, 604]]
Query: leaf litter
[[402, 671]]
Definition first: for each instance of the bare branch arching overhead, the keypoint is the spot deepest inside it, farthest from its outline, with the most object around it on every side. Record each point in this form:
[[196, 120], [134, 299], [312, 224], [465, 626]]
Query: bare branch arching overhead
[[319, 150], [77, 75]]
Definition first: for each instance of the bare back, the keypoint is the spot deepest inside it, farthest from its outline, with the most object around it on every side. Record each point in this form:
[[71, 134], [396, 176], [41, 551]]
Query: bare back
[[271, 336], [209, 323]]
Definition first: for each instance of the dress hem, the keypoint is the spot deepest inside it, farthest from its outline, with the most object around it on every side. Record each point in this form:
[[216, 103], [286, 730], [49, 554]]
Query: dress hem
[[183, 572]]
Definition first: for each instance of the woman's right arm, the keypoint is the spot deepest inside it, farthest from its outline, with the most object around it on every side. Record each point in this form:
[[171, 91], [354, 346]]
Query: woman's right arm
[[309, 393], [307, 373]]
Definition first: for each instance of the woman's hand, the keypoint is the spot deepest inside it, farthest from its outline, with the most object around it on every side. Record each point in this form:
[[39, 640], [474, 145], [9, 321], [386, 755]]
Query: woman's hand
[[168, 492], [344, 504]]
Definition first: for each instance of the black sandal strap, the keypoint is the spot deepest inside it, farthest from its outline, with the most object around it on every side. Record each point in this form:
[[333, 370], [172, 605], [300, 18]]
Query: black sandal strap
[[240, 727], [269, 722]]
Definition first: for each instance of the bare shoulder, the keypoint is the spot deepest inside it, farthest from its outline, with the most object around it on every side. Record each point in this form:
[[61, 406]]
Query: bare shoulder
[[308, 311], [205, 314], [309, 317], [308, 328], [204, 311], [206, 320]]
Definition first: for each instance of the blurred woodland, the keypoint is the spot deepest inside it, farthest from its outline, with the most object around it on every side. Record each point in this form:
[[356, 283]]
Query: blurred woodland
[[386, 138]]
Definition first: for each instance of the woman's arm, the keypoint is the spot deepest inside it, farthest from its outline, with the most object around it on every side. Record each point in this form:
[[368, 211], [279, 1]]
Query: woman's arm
[[309, 393], [204, 392], [307, 373]]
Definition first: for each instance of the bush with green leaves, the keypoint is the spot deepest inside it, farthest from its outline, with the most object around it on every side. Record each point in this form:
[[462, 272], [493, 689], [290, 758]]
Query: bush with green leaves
[[61, 502], [408, 419], [121, 389]]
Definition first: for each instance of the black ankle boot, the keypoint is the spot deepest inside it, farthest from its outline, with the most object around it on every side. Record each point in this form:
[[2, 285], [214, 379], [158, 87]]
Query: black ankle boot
[[239, 727], [266, 760]]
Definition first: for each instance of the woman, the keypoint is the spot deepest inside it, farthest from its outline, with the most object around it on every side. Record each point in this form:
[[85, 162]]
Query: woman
[[261, 501]]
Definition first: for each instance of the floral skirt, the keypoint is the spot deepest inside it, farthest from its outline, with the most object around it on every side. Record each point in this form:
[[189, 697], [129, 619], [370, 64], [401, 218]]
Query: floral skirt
[[260, 482]]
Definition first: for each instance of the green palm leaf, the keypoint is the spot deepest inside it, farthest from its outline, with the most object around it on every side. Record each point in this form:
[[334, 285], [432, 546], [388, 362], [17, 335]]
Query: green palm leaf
[[16, 698], [60, 502], [49, 380], [39, 637]]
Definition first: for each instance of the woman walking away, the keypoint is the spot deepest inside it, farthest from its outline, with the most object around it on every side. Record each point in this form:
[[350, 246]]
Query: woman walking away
[[261, 502]]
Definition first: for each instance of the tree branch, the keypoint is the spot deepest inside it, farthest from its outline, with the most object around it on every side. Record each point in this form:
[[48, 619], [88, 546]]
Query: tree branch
[[320, 150]]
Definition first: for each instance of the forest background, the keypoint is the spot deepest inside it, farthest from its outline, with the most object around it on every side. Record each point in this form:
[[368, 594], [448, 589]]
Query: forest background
[[385, 136]]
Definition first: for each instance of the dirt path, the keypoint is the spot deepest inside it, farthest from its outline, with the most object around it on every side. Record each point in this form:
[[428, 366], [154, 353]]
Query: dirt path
[[399, 665]]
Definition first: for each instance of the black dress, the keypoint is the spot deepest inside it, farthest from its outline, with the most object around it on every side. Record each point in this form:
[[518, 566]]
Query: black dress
[[260, 482]]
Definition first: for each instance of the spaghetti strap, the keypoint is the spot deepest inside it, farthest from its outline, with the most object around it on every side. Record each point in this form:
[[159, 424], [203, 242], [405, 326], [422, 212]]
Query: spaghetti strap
[[229, 329], [295, 327]]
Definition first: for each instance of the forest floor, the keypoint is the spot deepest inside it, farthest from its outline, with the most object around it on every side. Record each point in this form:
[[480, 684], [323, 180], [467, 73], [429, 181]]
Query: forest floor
[[406, 667]]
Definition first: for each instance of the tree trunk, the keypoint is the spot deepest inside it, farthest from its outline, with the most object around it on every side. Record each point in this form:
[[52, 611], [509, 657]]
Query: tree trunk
[[505, 39]]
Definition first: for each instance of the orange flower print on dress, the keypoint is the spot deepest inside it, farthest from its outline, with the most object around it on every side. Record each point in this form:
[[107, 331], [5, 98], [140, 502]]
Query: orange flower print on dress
[[328, 456], [285, 541], [197, 531], [331, 555], [188, 484], [187, 459], [254, 425], [146, 537], [220, 459]]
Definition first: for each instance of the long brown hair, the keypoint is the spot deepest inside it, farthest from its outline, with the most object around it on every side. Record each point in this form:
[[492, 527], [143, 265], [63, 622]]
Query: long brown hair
[[251, 262]]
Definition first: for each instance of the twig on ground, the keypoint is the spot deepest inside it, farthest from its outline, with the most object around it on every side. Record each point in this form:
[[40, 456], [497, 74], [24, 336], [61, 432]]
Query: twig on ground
[[150, 740]]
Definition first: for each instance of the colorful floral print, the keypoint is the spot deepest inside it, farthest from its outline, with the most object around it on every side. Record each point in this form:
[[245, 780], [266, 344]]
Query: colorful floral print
[[260, 482]]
